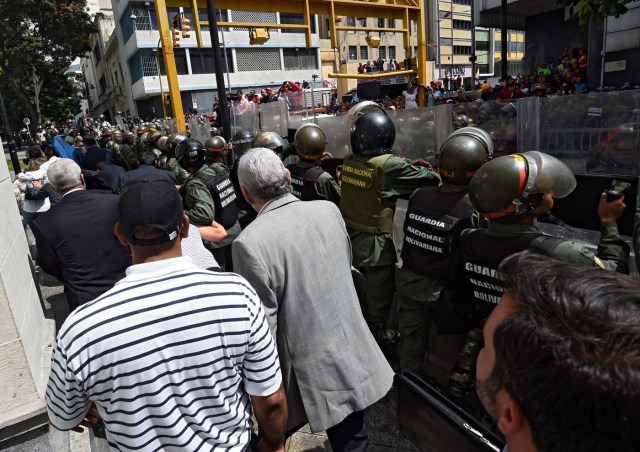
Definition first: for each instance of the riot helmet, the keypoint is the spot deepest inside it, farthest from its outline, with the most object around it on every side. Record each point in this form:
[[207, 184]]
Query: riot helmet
[[361, 109], [176, 141], [130, 138], [269, 140], [190, 152], [162, 144], [140, 130], [513, 186], [215, 145], [143, 138], [310, 142], [117, 136], [372, 134], [462, 153], [242, 142], [152, 137], [461, 120]]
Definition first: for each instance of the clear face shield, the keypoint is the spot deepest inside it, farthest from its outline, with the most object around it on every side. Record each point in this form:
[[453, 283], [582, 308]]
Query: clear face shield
[[361, 109], [547, 174]]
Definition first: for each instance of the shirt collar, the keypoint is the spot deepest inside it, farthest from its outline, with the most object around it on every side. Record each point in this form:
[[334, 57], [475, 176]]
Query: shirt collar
[[157, 268], [72, 190]]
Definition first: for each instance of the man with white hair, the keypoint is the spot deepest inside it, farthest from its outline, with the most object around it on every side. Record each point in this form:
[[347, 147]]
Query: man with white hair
[[332, 367], [75, 241]]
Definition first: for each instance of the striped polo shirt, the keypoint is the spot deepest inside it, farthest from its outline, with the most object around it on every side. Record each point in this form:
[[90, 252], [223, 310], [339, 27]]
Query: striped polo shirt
[[169, 356]]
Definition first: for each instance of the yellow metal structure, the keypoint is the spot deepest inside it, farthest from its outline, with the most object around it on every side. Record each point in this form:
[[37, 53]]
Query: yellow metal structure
[[405, 10], [370, 76], [258, 36]]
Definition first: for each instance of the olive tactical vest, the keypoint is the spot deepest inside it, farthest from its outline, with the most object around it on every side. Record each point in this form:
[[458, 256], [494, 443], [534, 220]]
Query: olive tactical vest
[[360, 204], [224, 197]]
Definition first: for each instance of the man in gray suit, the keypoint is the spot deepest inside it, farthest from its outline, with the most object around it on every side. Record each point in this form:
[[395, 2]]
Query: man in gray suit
[[297, 255]]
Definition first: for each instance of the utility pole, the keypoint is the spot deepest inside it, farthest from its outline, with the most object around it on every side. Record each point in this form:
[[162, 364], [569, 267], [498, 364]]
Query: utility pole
[[217, 63], [15, 162], [473, 47], [503, 41]]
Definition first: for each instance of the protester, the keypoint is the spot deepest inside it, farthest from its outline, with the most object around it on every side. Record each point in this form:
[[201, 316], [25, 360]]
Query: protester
[[195, 345], [331, 364]]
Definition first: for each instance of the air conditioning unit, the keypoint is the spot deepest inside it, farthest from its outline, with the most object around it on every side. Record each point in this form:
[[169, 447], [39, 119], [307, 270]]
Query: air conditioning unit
[[373, 41]]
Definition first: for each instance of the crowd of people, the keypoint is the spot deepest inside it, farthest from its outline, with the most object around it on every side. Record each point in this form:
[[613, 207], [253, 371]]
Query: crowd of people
[[167, 347]]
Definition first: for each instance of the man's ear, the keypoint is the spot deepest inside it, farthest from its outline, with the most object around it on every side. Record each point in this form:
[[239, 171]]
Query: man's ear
[[246, 195], [289, 172], [184, 231], [82, 181], [510, 417], [120, 235]]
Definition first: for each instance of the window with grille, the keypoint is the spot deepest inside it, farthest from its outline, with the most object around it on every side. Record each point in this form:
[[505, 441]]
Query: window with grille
[[353, 53], [461, 24], [364, 52], [253, 59], [143, 18], [252, 16], [351, 21], [202, 61], [382, 52], [446, 41], [392, 52], [391, 23], [300, 59], [462, 50], [462, 2], [298, 19]]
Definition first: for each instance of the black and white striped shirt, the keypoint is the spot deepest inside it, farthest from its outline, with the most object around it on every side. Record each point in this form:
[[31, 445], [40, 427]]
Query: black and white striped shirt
[[169, 356]]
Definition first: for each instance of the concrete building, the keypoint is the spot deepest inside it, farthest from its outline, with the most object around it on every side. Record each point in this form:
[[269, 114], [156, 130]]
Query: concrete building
[[354, 50], [125, 75]]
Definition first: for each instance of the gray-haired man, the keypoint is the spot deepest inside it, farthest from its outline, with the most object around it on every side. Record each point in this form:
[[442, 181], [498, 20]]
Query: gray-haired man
[[332, 367], [75, 240]]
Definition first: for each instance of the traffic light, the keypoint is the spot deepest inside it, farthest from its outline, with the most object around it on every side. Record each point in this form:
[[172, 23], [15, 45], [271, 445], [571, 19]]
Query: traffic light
[[186, 27], [175, 37]]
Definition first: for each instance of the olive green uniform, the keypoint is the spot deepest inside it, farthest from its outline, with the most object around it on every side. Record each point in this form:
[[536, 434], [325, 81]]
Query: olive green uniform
[[200, 209], [373, 250], [613, 251], [171, 164], [129, 156], [636, 237]]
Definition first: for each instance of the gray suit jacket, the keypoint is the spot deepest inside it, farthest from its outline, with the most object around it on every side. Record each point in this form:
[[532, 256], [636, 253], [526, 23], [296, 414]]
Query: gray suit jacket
[[297, 255]]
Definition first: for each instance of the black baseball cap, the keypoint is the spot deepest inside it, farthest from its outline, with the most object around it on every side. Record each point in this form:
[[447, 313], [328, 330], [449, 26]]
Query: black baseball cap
[[150, 202]]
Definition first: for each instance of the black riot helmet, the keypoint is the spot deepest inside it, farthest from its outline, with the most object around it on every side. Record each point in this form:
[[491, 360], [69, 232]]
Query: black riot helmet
[[372, 134], [191, 152], [269, 140], [462, 153], [310, 142], [511, 187], [242, 142]]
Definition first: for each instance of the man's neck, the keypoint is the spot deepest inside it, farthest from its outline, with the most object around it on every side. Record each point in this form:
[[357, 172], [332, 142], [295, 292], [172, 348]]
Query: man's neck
[[70, 190]]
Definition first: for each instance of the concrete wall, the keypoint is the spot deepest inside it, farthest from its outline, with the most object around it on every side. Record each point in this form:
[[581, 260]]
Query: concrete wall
[[26, 337]]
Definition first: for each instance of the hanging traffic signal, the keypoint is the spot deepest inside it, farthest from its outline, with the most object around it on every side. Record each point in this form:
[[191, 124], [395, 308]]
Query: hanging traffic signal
[[186, 27], [175, 37]]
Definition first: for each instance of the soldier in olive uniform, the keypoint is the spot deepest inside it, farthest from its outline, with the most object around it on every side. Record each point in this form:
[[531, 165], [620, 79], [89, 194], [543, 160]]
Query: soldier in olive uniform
[[216, 148], [308, 180], [168, 161], [129, 155], [431, 256], [372, 179], [152, 142], [209, 195], [511, 191]]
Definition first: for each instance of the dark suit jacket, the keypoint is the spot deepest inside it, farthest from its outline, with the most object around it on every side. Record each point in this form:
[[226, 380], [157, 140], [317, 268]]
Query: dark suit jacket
[[76, 244], [96, 155]]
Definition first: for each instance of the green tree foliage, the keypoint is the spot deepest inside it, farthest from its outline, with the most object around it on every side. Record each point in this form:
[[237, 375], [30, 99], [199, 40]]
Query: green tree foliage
[[38, 41], [597, 9]]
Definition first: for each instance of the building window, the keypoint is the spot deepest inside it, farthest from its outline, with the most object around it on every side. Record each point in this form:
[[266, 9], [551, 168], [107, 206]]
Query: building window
[[520, 47], [380, 23], [362, 22], [300, 59], [461, 24], [258, 59], [446, 41], [97, 55], [202, 61], [382, 52], [298, 19], [353, 53], [498, 46], [462, 50], [482, 45], [391, 23], [351, 21], [392, 52], [364, 52], [462, 2], [103, 85], [415, 51]]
